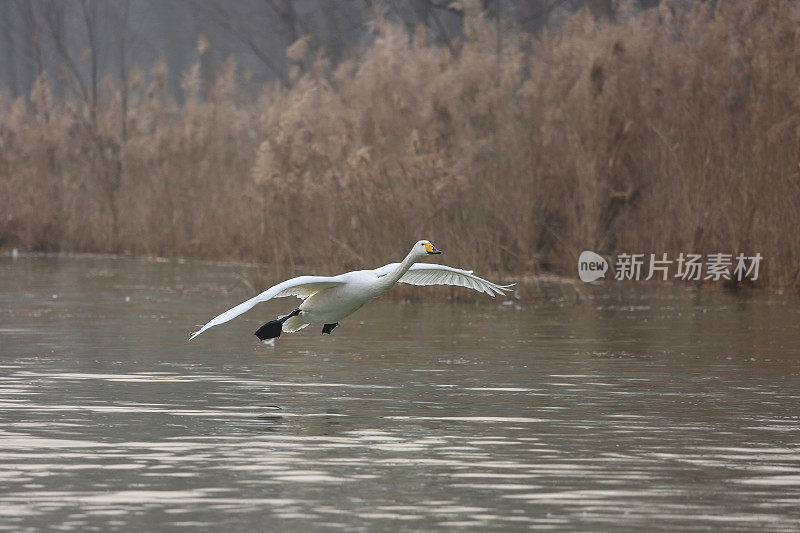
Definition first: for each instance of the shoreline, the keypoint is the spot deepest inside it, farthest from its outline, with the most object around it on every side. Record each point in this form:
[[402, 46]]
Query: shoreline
[[524, 280]]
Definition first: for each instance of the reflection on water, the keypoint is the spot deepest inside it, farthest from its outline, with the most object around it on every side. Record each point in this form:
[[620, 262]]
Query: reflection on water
[[629, 407]]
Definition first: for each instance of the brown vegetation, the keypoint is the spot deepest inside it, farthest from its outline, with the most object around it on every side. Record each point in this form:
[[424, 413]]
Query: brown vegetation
[[658, 132]]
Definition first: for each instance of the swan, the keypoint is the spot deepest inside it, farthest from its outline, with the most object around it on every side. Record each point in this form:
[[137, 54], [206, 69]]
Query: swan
[[329, 299]]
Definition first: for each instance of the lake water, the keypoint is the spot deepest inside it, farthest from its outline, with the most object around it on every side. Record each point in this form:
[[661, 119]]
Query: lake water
[[574, 408]]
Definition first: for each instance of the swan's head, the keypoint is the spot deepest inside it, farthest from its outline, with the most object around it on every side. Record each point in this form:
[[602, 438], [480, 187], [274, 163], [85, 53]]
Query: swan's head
[[423, 248]]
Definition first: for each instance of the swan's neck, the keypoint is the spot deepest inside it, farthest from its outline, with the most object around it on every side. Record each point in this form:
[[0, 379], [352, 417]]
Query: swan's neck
[[387, 281]]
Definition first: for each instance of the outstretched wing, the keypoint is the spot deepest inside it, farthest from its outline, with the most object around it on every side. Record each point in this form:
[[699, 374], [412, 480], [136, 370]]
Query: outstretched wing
[[431, 274], [302, 287]]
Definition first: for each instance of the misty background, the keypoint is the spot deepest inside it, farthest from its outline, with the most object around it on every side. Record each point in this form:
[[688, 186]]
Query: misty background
[[78, 42]]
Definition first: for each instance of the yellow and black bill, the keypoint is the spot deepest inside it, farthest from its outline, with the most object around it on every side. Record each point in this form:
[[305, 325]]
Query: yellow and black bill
[[431, 249]]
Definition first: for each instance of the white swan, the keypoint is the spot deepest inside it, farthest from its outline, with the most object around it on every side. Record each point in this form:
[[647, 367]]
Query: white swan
[[329, 299]]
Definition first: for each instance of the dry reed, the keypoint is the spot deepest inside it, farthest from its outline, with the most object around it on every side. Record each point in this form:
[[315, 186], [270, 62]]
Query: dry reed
[[660, 132]]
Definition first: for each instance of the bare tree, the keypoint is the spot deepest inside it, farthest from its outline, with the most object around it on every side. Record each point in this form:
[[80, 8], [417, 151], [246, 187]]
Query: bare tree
[[232, 23], [121, 22], [6, 14], [89, 11], [54, 14]]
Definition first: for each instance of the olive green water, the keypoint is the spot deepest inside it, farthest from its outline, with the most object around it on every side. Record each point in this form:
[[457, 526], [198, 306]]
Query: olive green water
[[599, 408]]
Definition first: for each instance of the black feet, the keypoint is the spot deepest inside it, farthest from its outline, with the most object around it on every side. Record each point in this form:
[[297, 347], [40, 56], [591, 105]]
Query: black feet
[[272, 329], [327, 328]]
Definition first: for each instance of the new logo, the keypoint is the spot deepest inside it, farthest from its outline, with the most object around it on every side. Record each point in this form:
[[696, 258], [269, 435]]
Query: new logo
[[591, 266]]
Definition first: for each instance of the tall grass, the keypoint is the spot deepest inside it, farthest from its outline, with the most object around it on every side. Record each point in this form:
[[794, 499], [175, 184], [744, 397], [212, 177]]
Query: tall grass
[[659, 132]]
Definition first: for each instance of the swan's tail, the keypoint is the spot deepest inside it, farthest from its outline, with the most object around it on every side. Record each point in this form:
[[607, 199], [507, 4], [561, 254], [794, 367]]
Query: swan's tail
[[295, 323]]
